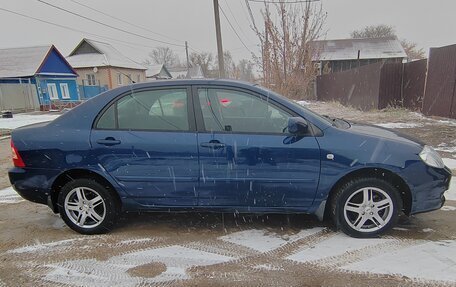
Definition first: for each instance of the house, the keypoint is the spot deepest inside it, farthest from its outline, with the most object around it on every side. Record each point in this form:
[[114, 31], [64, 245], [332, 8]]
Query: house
[[344, 54], [101, 66], [157, 72], [194, 72], [36, 77]]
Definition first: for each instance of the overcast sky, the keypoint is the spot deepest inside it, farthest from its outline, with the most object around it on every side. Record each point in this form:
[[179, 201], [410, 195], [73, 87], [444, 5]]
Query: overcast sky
[[428, 23]]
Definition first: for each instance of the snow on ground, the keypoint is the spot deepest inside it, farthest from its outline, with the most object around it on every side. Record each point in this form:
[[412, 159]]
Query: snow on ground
[[434, 260], [91, 272], [450, 194], [334, 246], [20, 120], [418, 259], [263, 241], [449, 162], [400, 125], [9, 195]]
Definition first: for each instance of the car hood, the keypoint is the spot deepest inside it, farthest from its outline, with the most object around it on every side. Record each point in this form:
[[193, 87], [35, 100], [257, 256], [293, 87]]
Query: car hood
[[389, 134]]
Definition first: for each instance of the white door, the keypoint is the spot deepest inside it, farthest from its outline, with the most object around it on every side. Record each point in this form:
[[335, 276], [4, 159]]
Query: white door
[[52, 91], [64, 90]]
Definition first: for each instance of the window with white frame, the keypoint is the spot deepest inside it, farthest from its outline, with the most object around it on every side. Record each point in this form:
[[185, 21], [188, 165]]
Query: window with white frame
[[119, 79], [91, 80], [64, 91], [52, 91]]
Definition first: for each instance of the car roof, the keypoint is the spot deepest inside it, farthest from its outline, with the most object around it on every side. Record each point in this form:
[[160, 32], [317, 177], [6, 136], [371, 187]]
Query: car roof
[[193, 82]]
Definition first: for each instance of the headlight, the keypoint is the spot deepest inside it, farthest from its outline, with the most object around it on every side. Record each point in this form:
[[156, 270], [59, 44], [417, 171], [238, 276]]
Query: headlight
[[431, 157]]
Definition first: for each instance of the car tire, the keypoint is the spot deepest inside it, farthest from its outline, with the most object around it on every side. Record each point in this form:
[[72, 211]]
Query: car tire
[[366, 207], [88, 207]]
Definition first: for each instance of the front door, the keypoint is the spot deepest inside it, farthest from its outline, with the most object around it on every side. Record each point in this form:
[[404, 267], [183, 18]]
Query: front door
[[247, 158], [146, 141]]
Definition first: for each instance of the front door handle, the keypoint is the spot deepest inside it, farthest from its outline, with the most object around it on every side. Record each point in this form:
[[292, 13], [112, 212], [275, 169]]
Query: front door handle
[[109, 141], [213, 144]]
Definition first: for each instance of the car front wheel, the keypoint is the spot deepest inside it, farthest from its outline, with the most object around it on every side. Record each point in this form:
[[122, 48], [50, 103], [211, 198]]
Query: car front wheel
[[366, 207], [87, 206]]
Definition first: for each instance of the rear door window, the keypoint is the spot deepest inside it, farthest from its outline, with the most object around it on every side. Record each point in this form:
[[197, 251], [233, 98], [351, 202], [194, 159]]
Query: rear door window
[[155, 110]]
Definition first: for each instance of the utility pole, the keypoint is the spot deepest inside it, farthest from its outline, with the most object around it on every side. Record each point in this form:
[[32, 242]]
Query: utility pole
[[218, 31], [186, 53]]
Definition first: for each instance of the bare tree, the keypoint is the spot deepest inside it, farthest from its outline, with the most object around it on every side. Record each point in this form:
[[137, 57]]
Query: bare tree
[[374, 31], [204, 60], [412, 50], [244, 71], [162, 55], [230, 66], [286, 45], [378, 31]]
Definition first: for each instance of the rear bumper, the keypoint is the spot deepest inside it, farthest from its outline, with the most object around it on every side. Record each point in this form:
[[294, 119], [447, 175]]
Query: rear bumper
[[33, 184], [429, 195]]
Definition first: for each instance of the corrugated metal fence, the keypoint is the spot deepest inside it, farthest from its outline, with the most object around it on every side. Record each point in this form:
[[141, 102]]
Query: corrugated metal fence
[[374, 86], [18, 97], [427, 86], [439, 99]]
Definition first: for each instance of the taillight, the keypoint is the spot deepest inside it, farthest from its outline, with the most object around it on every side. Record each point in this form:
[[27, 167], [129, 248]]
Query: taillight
[[17, 160]]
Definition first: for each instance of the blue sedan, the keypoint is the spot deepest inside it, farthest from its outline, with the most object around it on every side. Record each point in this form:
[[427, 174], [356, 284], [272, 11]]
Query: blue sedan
[[223, 146]]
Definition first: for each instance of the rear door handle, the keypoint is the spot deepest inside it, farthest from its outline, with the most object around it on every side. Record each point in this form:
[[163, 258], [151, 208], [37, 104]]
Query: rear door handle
[[213, 144], [109, 141]]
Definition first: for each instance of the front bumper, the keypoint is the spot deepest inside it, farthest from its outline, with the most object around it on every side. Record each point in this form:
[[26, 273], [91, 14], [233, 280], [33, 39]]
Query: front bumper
[[428, 192], [33, 184]]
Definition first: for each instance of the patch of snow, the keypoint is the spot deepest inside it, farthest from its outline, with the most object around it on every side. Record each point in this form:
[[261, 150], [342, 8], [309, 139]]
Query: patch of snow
[[450, 194], [399, 125], [449, 162], [450, 149], [427, 230], [447, 122], [20, 120], [448, 208], [334, 246], [400, 229], [268, 267], [303, 103], [263, 241], [431, 261], [91, 272], [133, 241], [9, 195], [40, 247]]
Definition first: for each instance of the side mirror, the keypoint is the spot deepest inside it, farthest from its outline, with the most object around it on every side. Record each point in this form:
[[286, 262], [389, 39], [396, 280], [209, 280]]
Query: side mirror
[[297, 126]]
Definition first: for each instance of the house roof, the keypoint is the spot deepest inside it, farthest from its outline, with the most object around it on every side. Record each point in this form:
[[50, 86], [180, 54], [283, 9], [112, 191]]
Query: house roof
[[26, 61], [369, 48], [100, 54], [194, 72], [155, 70]]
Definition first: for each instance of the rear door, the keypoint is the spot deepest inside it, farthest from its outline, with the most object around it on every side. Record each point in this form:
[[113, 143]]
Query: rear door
[[147, 141], [247, 158]]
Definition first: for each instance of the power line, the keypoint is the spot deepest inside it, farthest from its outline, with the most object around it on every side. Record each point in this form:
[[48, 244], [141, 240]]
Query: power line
[[234, 30], [284, 2], [106, 25], [234, 17], [130, 44], [123, 21]]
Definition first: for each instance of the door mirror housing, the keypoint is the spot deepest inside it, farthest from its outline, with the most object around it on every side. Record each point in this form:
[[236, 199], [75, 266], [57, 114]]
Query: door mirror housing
[[297, 126]]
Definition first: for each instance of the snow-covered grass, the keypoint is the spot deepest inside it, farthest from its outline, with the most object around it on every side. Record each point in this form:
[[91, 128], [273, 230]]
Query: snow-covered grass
[[20, 120], [400, 125]]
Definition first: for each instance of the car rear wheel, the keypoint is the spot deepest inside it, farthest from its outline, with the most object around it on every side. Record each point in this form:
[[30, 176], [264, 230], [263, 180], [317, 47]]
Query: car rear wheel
[[366, 207], [87, 207]]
